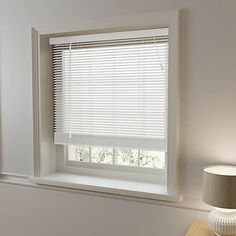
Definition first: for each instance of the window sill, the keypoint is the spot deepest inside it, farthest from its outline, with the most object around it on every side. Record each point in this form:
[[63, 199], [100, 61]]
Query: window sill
[[107, 185]]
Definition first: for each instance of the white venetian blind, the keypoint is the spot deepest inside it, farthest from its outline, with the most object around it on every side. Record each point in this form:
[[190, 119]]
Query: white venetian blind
[[112, 89]]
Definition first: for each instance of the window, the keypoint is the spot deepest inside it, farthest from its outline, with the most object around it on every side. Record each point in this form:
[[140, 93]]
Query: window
[[111, 96], [117, 156], [106, 114]]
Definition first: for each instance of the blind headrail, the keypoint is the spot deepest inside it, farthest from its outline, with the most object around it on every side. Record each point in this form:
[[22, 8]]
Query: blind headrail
[[109, 36]]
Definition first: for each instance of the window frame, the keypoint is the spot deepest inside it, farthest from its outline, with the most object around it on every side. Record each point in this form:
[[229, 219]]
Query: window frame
[[45, 154], [101, 167]]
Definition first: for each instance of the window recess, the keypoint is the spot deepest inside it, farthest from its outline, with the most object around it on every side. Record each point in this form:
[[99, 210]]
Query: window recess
[[106, 109]]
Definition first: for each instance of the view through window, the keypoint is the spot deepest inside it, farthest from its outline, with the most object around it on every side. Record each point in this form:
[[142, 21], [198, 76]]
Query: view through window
[[117, 156]]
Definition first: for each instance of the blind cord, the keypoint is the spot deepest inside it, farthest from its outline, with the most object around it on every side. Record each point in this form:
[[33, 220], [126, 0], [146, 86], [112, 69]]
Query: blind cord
[[158, 56], [70, 91]]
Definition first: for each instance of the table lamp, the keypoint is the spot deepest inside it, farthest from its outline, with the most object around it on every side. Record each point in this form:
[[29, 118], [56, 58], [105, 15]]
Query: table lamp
[[219, 190]]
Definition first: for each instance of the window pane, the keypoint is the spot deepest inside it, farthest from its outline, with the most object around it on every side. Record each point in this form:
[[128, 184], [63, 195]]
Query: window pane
[[127, 157], [152, 159], [78, 153], [122, 156], [102, 155]]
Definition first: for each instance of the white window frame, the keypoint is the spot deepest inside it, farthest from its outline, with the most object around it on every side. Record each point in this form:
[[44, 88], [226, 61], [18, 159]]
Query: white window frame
[[45, 163], [101, 169]]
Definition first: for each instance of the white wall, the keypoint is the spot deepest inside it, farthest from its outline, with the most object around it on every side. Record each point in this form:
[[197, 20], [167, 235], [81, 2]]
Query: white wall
[[208, 114], [36, 212]]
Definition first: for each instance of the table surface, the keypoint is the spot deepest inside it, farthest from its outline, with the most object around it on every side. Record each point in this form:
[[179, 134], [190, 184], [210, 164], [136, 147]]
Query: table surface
[[199, 228]]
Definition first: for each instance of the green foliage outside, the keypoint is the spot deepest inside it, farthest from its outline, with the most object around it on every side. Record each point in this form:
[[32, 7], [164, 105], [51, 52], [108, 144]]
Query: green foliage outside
[[122, 156]]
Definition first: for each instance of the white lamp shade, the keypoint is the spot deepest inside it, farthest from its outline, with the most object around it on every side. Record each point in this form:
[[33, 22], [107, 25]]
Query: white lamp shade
[[219, 186]]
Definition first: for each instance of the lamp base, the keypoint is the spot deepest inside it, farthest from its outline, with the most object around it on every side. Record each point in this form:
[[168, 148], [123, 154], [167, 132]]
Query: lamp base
[[223, 222]]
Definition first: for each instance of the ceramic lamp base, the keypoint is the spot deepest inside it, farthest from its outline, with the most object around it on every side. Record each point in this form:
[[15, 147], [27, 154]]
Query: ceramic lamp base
[[223, 222]]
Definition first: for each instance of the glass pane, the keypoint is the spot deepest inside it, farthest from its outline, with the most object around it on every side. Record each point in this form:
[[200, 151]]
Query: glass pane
[[127, 157], [102, 155], [152, 159], [78, 153]]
